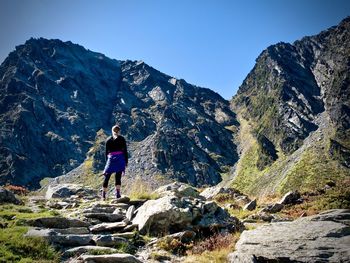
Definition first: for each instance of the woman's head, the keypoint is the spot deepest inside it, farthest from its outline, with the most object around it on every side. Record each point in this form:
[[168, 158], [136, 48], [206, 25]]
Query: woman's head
[[115, 130]]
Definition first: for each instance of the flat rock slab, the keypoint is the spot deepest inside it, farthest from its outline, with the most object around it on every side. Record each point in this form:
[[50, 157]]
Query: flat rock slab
[[321, 238], [109, 240], [57, 222], [84, 249], [105, 217], [112, 258], [107, 227]]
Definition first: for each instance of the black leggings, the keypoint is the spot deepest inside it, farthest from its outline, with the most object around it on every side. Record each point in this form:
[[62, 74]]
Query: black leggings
[[118, 177]]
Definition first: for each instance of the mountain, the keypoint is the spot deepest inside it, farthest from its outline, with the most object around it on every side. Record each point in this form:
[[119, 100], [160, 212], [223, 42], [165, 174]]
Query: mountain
[[294, 111], [287, 128], [58, 102]]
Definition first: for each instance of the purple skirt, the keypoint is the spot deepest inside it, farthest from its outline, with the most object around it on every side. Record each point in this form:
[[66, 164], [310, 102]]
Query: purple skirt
[[115, 163]]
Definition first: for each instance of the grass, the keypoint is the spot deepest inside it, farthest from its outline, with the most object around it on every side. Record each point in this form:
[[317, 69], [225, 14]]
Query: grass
[[139, 189], [14, 247]]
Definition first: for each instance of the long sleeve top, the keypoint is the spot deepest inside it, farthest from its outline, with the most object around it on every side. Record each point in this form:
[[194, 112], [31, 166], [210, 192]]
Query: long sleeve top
[[116, 145]]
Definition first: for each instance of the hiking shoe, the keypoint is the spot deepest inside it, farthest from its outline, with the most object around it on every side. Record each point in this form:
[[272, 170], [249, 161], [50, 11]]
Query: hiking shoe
[[103, 196], [117, 195]]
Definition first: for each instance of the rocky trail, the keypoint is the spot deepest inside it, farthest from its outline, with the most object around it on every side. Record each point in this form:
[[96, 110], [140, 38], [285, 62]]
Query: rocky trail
[[87, 229]]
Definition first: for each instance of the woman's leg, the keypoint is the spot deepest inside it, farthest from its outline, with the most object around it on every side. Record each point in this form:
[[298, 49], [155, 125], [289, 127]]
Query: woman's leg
[[118, 182], [105, 184]]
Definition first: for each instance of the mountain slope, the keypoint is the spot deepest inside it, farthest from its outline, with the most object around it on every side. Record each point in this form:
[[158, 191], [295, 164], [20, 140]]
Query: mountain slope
[[58, 99], [295, 105]]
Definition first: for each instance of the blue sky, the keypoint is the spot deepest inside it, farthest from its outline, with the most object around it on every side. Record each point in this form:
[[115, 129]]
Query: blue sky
[[212, 44]]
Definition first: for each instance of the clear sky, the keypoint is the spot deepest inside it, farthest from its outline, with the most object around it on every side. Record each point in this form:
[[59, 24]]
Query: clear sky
[[212, 44]]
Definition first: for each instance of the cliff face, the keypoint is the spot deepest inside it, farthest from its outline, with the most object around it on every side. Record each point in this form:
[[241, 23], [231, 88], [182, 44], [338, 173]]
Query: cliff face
[[296, 103], [57, 98]]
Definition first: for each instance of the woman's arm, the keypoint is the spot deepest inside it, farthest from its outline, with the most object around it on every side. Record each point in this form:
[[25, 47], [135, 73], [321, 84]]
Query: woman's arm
[[125, 152]]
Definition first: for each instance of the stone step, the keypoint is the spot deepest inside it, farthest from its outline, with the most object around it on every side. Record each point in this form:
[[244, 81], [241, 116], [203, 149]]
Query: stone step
[[120, 258], [105, 217], [86, 249], [57, 222], [108, 240], [108, 227]]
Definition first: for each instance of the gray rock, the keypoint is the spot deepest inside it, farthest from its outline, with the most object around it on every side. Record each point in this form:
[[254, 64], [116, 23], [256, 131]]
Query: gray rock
[[177, 189], [54, 237], [311, 239], [71, 240], [290, 198], [86, 249], [124, 199], [127, 235], [161, 215], [7, 196], [57, 222], [273, 208], [250, 206], [112, 258], [130, 212], [107, 227], [105, 217], [109, 240], [129, 228], [67, 190], [171, 214], [72, 230]]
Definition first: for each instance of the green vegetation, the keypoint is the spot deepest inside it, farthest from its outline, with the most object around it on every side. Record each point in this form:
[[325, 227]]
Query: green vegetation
[[140, 189], [14, 247]]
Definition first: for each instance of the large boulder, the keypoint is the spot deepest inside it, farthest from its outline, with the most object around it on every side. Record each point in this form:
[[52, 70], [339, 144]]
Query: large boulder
[[321, 238], [171, 214], [7, 196], [67, 190]]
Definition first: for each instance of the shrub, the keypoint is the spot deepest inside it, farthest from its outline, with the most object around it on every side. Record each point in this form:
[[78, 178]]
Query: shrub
[[215, 242]]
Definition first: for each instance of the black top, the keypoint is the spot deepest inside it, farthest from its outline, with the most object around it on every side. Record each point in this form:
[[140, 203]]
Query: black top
[[116, 145]]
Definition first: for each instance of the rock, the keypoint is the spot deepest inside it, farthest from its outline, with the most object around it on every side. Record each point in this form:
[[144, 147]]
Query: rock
[[129, 228], [120, 206], [86, 249], [54, 237], [105, 217], [250, 206], [320, 238], [109, 240], [162, 216], [67, 190], [177, 189], [130, 212], [7, 196], [57, 222], [71, 240], [100, 208], [290, 198], [211, 192], [272, 208], [40, 232], [107, 227], [138, 202], [111, 258], [171, 214], [124, 199], [127, 235], [184, 237], [72, 230], [263, 216]]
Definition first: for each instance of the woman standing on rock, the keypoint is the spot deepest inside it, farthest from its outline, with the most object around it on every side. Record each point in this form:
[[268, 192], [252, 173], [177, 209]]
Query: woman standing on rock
[[117, 160]]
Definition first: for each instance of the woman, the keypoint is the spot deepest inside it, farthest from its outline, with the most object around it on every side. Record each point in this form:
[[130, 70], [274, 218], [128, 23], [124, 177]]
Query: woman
[[117, 160]]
